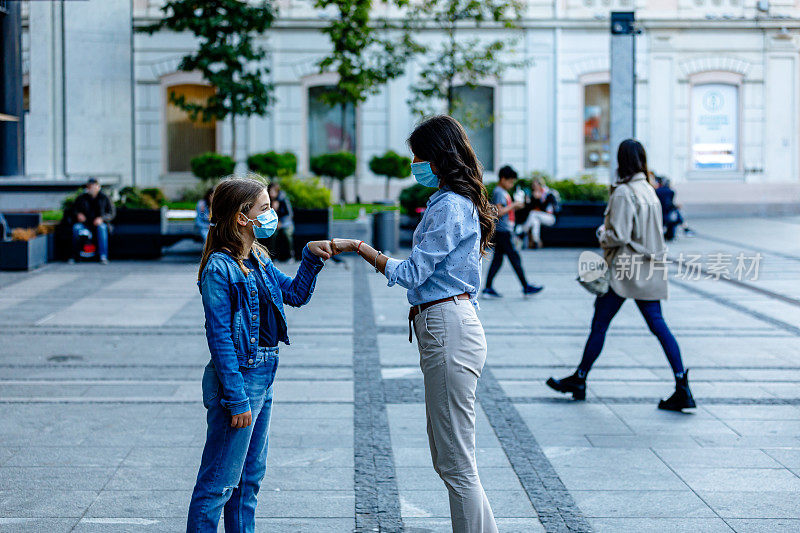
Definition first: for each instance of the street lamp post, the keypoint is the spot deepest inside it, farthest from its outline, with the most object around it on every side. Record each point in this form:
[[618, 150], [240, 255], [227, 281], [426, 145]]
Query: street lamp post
[[623, 80]]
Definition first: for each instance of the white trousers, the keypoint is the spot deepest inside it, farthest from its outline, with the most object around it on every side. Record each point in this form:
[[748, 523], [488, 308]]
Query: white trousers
[[452, 349], [535, 221]]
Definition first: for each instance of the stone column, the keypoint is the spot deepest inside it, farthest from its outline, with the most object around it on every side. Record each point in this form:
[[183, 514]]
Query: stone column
[[623, 82]]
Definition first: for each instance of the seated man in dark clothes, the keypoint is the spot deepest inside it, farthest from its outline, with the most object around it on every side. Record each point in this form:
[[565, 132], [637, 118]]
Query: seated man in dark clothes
[[93, 211]]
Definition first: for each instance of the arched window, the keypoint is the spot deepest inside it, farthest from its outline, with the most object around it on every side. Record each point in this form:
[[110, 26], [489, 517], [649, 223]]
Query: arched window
[[715, 126], [474, 108], [326, 133], [187, 138], [596, 125]]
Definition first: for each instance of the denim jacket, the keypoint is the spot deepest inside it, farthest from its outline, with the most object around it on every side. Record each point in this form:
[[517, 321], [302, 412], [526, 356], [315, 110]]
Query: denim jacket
[[230, 301]]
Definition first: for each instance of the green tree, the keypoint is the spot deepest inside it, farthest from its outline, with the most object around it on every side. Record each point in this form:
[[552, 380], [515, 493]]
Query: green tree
[[458, 59], [391, 165], [363, 55], [227, 57], [338, 165]]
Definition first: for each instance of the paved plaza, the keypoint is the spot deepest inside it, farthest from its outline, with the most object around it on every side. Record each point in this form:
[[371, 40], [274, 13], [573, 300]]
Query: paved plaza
[[102, 425]]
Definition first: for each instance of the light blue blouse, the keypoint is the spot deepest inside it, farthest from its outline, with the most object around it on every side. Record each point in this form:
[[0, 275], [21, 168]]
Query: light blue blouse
[[446, 257]]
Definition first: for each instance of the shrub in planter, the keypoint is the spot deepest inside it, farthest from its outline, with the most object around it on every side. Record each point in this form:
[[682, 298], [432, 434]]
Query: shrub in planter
[[210, 166], [337, 165], [414, 198], [134, 198], [391, 165], [273, 164], [311, 203], [27, 249], [584, 189]]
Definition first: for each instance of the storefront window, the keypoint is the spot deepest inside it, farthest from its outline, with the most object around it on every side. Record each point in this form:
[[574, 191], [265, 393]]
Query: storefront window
[[187, 138], [596, 125], [715, 126], [474, 108], [325, 132]]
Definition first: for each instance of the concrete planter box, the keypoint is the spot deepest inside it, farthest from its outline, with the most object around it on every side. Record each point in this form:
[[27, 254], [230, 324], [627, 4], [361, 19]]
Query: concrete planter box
[[137, 233], [24, 255], [311, 225], [575, 225]]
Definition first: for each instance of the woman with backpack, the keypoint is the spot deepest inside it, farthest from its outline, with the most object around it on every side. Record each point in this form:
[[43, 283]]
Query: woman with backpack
[[633, 248]]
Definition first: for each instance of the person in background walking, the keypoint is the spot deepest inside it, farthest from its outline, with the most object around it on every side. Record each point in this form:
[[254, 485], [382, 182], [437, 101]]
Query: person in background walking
[[203, 215], [442, 275], [632, 235], [670, 211], [503, 242], [543, 205], [93, 212], [243, 297]]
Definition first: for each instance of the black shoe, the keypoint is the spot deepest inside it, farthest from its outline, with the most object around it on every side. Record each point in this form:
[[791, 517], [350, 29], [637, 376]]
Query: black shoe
[[681, 398], [532, 289], [573, 384], [488, 291]]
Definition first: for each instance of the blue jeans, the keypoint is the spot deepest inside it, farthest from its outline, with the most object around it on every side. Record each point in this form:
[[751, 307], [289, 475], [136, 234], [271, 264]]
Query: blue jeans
[[606, 307], [100, 232], [234, 459]]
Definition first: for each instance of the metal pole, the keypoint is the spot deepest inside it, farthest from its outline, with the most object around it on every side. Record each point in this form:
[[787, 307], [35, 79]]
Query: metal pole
[[623, 81], [12, 117]]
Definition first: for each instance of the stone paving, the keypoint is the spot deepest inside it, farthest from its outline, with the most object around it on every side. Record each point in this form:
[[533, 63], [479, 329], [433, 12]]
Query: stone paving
[[101, 423]]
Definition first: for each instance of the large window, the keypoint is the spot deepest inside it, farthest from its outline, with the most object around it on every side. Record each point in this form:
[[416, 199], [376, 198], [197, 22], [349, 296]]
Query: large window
[[474, 108], [325, 131], [186, 138], [715, 126], [596, 125]]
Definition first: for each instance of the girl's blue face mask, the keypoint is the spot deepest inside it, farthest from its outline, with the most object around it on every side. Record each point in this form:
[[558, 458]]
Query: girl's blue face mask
[[269, 223], [424, 175]]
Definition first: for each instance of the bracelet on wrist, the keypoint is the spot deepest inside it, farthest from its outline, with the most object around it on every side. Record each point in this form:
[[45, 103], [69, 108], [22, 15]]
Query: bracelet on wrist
[[358, 248]]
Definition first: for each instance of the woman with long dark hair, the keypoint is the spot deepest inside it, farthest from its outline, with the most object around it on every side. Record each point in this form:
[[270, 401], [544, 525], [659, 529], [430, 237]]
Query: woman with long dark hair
[[443, 275], [632, 239]]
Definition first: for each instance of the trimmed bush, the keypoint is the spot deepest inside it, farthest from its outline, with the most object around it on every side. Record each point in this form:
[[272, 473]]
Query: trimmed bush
[[391, 165], [336, 165], [273, 164], [306, 193], [210, 166], [415, 197], [135, 198]]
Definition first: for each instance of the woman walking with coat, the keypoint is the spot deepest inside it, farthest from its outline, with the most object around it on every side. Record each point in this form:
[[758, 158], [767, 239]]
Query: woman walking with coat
[[633, 247], [443, 275]]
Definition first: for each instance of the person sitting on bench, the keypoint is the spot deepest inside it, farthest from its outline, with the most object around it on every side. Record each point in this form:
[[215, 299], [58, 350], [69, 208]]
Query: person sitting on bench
[[93, 211]]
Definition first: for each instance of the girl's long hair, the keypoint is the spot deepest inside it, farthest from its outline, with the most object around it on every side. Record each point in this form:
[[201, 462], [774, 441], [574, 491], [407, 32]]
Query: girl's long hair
[[232, 196], [442, 141]]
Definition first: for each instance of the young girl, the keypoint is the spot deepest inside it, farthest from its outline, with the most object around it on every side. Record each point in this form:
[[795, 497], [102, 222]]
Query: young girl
[[243, 296], [442, 276]]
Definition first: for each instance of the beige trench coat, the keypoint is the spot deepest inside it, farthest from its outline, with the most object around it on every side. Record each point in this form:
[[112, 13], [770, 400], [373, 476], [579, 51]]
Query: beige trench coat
[[633, 241]]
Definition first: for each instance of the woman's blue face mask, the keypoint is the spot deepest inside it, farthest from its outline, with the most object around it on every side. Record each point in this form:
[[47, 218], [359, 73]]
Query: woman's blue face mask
[[424, 175], [269, 223]]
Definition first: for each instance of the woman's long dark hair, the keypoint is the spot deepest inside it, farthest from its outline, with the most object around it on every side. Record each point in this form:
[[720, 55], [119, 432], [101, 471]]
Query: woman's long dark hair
[[631, 160], [442, 141]]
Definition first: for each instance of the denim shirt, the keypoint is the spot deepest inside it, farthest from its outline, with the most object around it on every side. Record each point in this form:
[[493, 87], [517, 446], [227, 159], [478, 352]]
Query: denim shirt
[[446, 257], [230, 301]]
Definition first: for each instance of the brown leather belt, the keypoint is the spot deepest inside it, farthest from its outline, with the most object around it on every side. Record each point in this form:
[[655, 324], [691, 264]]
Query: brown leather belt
[[417, 309]]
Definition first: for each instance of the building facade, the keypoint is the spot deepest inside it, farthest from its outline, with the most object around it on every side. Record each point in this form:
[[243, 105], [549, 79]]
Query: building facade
[[716, 96]]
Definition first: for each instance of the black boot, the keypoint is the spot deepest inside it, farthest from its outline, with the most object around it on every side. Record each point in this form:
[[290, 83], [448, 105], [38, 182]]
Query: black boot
[[681, 398], [574, 384]]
